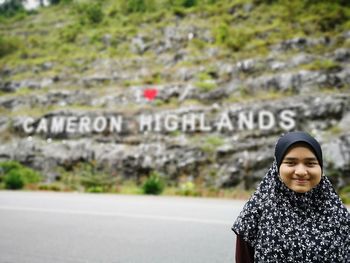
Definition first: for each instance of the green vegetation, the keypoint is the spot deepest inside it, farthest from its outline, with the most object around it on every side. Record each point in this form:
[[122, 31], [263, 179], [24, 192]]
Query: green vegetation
[[209, 144], [90, 12], [137, 6], [16, 176], [205, 82], [188, 189], [89, 178], [71, 34], [86, 177], [154, 184], [11, 8], [9, 45], [235, 30], [345, 195], [335, 130], [56, 187], [94, 181], [129, 187], [234, 38], [325, 64]]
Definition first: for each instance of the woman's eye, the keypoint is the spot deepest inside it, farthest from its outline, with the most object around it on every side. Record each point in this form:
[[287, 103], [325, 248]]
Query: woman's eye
[[311, 164], [289, 163]]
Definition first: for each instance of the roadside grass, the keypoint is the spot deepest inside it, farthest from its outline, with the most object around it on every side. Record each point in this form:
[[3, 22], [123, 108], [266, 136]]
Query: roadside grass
[[87, 178], [130, 187], [83, 177]]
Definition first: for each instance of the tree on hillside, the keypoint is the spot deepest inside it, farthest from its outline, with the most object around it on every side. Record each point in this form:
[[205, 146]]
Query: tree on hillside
[[11, 7]]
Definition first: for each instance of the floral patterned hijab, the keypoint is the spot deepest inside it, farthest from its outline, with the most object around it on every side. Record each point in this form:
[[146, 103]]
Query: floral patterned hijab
[[286, 226]]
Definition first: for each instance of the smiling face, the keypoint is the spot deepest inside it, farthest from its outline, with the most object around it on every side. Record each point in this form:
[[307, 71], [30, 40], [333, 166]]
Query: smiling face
[[300, 170]]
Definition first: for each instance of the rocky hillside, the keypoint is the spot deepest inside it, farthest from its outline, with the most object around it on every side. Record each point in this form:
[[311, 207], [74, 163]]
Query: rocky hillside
[[190, 89]]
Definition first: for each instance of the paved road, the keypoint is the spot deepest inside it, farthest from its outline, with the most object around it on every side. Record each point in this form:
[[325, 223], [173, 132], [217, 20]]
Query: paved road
[[47, 227]]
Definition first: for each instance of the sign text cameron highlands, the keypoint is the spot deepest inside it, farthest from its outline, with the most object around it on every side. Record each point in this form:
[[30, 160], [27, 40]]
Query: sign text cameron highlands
[[170, 122]]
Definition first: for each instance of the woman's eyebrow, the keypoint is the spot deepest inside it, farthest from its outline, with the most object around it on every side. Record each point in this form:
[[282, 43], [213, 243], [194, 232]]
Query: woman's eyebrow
[[295, 158], [311, 159], [290, 158]]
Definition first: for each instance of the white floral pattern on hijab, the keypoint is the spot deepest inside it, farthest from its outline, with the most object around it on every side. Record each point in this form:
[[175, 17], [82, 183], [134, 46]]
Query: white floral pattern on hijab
[[286, 226]]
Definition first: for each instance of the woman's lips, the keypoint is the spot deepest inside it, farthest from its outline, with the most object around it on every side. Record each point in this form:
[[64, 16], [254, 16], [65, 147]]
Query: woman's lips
[[300, 181]]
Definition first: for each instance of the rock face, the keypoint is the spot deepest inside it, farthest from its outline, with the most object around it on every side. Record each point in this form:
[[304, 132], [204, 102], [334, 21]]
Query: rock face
[[217, 122], [243, 155]]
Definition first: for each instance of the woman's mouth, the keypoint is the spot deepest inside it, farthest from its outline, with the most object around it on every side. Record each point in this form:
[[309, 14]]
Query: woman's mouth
[[301, 181]]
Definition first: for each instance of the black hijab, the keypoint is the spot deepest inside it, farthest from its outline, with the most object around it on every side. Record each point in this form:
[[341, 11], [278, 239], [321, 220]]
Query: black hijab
[[285, 142], [286, 226]]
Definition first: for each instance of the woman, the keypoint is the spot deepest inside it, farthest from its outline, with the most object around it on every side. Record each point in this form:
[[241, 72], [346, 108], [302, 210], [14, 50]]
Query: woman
[[295, 215]]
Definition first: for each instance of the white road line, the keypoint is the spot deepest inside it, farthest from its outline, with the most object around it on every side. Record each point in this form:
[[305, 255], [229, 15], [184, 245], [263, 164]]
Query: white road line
[[139, 216]]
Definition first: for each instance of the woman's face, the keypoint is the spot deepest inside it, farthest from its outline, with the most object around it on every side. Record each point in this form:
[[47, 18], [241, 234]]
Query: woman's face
[[300, 170]]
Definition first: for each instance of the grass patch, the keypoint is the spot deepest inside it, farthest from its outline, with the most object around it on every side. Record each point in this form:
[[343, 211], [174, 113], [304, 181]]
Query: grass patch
[[129, 187], [56, 187], [335, 130], [208, 143], [87, 177], [205, 82], [246, 96], [324, 64], [9, 45]]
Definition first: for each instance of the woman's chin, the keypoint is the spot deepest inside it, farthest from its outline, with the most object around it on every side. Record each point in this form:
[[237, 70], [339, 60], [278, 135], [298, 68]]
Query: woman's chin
[[301, 189]]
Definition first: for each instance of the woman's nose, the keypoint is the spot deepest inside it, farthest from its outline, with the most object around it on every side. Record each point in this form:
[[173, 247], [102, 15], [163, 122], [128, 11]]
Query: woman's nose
[[301, 170]]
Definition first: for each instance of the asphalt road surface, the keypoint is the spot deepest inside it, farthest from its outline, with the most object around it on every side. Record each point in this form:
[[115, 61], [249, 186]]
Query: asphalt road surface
[[48, 227]]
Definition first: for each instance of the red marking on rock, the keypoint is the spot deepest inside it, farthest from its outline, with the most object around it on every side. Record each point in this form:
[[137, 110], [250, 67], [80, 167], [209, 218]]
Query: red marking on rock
[[150, 94]]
